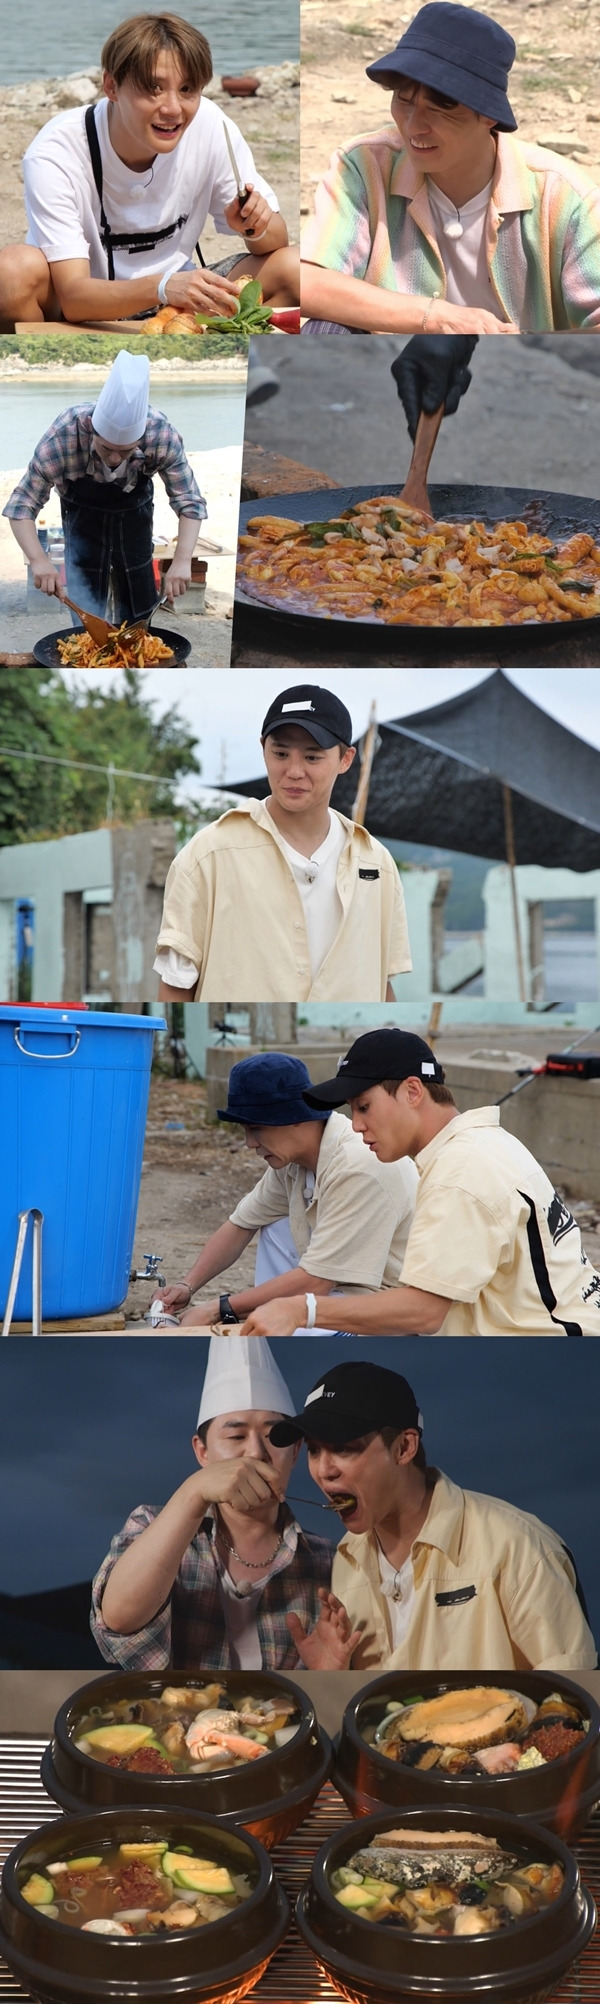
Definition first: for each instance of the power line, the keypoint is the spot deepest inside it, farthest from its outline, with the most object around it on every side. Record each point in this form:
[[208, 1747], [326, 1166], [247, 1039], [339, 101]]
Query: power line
[[81, 765]]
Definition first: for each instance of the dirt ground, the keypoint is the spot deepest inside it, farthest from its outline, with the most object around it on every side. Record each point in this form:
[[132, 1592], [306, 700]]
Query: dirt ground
[[194, 1175], [271, 126], [554, 87]]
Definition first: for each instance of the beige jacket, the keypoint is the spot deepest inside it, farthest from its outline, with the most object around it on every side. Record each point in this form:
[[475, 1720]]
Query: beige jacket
[[355, 1229], [494, 1591], [233, 907]]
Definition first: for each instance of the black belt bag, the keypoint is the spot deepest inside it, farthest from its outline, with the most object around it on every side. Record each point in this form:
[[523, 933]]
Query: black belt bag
[[132, 241]]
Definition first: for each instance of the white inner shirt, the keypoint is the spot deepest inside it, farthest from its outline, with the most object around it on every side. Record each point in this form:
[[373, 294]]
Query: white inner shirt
[[464, 258], [398, 1587], [194, 181], [316, 878]]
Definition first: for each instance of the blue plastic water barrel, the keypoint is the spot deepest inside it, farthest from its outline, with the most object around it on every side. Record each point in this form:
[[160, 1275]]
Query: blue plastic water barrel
[[74, 1089]]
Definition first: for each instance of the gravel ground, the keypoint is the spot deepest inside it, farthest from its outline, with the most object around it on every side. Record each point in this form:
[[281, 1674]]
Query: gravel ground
[[553, 86]]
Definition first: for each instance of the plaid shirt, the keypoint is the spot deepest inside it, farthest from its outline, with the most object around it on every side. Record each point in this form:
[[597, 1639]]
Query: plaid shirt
[[188, 1632], [372, 220], [65, 453]]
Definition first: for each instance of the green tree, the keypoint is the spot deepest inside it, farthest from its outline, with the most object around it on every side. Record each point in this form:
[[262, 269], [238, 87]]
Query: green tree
[[89, 725], [28, 723]]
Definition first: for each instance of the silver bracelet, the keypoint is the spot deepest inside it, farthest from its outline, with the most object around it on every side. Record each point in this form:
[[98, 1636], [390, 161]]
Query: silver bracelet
[[257, 240], [428, 311], [311, 1310]]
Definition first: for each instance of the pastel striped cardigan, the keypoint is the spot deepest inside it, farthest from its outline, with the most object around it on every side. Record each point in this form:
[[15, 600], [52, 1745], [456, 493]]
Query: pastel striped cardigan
[[372, 220]]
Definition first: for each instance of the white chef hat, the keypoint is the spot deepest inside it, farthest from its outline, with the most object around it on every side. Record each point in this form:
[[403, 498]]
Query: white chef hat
[[121, 411], [242, 1376]]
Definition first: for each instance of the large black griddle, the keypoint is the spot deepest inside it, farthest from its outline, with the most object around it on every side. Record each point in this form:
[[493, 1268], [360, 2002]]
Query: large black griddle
[[555, 515], [46, 650]]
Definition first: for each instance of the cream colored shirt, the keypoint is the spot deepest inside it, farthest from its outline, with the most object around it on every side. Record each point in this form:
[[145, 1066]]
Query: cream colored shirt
[[354, 1228], [233, 908], [491, 1234], [494, 1590]]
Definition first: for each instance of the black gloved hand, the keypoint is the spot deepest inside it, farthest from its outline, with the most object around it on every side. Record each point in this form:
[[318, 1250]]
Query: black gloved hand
[[432, 370]]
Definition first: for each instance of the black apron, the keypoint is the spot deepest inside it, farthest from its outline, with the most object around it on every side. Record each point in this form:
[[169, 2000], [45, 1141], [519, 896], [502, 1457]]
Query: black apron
[[108, 537], [133, 242]]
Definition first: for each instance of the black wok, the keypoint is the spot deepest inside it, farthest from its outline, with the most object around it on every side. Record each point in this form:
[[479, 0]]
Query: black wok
[[46, 650], [555, 515]]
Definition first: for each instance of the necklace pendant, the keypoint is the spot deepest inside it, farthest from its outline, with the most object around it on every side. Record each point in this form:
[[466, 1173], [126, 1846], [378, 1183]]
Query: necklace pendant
[[453, 230]]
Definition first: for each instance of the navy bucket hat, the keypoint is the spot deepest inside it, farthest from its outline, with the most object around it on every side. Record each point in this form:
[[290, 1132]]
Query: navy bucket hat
[[459, 52], [267, 1092]]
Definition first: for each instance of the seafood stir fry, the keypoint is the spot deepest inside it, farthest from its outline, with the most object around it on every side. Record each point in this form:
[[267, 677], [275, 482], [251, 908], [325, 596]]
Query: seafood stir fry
[[132, 1889], [127, 647], [480, 1730], [383, 561], [434, 1882], [189, 1729]]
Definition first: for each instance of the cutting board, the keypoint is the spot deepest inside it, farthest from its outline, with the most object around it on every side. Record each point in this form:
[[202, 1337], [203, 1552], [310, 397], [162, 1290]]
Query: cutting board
[[67, 327]]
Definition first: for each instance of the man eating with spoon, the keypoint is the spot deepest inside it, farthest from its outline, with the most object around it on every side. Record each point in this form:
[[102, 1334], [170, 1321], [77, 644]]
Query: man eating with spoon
[[101, 458]]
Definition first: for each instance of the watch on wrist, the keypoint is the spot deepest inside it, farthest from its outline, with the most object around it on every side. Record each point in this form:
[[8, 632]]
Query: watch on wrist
[[226, 1312]]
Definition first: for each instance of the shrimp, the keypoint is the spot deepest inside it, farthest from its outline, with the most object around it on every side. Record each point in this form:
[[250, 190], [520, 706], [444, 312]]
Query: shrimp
[[218, 1732]]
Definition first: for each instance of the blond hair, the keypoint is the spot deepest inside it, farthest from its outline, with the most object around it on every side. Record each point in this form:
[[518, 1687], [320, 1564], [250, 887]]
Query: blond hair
[[132, 51]]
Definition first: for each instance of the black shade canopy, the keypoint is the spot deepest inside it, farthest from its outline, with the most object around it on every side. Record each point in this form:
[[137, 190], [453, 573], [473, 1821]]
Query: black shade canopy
[[439, 774]]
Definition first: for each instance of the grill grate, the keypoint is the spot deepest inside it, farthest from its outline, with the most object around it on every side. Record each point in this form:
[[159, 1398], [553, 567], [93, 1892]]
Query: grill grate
[[292, 1977]]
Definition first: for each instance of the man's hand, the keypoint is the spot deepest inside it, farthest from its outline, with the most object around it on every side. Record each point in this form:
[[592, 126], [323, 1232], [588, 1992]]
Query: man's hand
[[177, 579], [432, 370], [173, 1298], [45, 577], [277, 1318], [253, 219], [245, 1485], [202, 1314], [329, 1645], [202, 292], [445, 319]]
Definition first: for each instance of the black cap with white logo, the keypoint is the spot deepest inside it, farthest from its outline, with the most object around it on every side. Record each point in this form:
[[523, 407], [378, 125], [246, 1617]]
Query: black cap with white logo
[[380, 1054], [348, 1402], [317, 710]]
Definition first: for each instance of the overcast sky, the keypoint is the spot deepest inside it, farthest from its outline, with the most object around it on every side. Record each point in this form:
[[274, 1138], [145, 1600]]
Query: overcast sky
[[87, 1430], [226, 710]]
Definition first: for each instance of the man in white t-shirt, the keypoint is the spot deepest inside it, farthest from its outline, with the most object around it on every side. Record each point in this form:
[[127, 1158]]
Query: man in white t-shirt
[[327, 1214], [286, 900], [493, 1249], [117, 195]]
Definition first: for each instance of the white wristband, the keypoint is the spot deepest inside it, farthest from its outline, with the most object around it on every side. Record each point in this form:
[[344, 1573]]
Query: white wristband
[[162, 288], [311, 1310]]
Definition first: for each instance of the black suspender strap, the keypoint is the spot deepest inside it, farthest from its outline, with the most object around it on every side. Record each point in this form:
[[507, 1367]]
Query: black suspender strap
[[540, 1269], [143, 240], [94, 146]]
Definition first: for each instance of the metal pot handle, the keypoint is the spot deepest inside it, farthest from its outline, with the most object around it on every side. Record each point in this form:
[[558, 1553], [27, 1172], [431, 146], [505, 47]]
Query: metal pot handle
[[46, 1031]]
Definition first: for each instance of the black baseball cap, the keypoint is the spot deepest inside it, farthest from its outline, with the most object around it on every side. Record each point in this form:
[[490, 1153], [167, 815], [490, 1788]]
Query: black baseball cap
[[317, 710], [380, 1054], [349, 1402]]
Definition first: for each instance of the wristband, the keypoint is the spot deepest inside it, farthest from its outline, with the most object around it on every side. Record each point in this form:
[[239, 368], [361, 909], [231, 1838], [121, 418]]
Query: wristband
[[428, 311], [161, 288], [311, 1310]]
